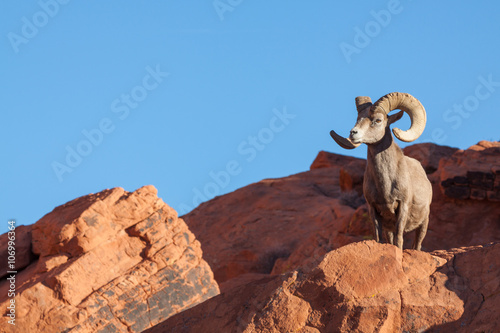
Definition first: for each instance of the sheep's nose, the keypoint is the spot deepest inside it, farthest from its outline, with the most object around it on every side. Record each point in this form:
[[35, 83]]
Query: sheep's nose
[[353, 131]]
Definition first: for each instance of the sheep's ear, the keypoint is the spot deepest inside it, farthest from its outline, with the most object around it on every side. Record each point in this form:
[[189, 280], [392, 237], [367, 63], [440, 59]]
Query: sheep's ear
[[394, 117]]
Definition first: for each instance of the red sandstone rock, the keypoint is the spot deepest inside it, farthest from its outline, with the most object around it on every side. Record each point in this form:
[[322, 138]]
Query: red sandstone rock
[[328, 160], [248, 230], [277, 225], [473, 173], [109, 262], [351, 176], [362, 287], [22, 242], [482, 145], [429, 154], [119, 261]]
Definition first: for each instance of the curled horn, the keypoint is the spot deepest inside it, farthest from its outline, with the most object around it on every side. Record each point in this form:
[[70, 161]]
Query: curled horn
[[362, 102], [408, 104], [345, 143]]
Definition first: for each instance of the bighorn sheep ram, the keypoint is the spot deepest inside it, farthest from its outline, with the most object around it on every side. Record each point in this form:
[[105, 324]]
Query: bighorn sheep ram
[[395, 186]]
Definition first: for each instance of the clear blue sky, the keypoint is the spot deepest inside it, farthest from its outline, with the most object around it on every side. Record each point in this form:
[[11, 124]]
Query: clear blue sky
[[206, 97]]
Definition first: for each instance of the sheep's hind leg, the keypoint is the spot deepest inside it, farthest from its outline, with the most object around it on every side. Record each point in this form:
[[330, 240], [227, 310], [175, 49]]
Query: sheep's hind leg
[[389, 237], [377, 227], [420, 234]]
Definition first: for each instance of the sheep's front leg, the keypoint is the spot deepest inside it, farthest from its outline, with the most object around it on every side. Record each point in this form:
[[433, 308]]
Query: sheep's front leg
[[401, 218], [376, 223]]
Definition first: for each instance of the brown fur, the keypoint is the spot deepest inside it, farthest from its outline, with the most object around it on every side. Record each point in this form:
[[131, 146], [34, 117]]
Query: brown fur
[[395, 186]]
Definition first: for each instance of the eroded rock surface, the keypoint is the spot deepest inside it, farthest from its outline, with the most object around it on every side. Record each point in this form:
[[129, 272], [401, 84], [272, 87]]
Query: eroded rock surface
[[114, 261], [277, 225], [362, 287], [473, 173]]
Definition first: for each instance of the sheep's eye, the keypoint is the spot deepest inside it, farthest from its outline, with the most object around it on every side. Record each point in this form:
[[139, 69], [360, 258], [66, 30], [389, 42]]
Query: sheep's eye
[[377, 121]]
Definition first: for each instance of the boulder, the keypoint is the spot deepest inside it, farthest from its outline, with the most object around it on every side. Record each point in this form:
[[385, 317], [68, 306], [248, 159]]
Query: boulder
[[108, 262], [361, 287]]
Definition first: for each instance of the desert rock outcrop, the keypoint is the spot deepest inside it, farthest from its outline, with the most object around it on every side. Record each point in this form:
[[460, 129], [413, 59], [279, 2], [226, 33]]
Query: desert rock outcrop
[[362, 287], [114, 261], [276, 225], [293, 253]]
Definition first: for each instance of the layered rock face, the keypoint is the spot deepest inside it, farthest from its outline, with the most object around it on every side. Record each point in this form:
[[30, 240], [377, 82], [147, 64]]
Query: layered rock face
[[291, 255], [362, 287], [466, 220], [276, 225], [114, 261], [473, 173]]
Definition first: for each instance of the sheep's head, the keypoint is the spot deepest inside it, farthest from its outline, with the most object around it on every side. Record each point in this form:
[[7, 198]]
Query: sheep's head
[[373, 119]]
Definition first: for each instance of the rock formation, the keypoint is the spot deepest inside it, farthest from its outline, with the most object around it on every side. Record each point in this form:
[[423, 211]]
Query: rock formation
[[276, 225], [258, 226], [473, 173], [108, 262], [290, 254], [362, 287], [23, 256]]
